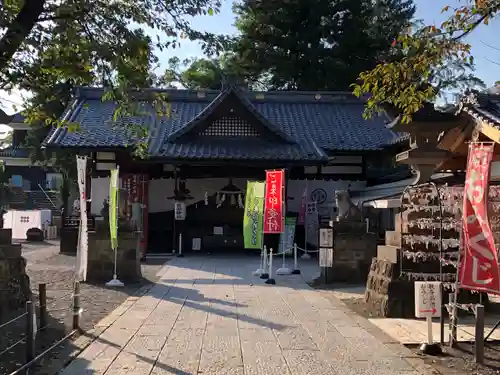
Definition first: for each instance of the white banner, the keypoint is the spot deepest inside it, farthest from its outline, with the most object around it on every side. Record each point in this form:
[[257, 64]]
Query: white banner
[[83, 240], [312, 223], [287, 237]]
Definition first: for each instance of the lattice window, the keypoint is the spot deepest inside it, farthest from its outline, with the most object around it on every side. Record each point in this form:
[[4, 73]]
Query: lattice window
[[230, 126]]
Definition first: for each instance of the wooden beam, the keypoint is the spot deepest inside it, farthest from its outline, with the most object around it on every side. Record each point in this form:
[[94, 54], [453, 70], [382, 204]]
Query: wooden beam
[[488, 130]]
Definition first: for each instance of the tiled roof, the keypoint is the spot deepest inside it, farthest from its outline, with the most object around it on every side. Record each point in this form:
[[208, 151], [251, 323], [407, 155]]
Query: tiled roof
[[17, 152], [484, 107], [309, 124]]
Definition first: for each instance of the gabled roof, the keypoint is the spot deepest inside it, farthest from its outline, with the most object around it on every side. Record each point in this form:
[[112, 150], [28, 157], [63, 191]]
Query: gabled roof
[[218, 101], [308, 125]]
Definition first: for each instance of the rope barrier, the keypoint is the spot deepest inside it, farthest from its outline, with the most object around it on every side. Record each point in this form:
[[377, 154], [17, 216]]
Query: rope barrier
[[12, 346], [13, 320], [307, 251]]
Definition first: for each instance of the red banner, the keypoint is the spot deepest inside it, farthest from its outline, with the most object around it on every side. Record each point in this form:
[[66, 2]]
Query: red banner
[[273, 203], [479, 261], [137, 187]]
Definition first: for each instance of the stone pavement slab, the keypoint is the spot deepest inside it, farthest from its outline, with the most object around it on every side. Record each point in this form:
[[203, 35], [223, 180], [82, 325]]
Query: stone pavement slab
[[210, 316]]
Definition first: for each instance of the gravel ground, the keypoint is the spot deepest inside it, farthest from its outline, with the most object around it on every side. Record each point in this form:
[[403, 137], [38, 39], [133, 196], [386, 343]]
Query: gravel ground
[[456, 361], [46, 265], [460, 360]]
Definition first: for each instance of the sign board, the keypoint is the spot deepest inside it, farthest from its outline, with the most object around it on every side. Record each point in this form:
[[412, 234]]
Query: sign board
[[196, 244], [427, 299], [180, 210], [326, 257], [326, 237]]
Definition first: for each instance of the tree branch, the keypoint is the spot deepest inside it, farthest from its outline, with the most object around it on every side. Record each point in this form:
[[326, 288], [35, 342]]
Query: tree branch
[[19, 30]]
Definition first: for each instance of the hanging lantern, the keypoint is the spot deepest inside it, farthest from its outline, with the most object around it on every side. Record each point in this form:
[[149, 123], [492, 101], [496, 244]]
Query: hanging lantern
[[231, 190]]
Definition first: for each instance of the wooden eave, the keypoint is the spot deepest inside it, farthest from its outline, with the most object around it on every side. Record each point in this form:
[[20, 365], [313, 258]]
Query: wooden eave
[[422, 156]]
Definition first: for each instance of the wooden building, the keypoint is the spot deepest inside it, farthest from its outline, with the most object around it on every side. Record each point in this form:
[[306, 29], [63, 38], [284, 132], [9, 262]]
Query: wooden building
[[212, 142], [441, 144]]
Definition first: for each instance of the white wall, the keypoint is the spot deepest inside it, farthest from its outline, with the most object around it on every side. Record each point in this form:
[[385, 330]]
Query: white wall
[[160, 189]]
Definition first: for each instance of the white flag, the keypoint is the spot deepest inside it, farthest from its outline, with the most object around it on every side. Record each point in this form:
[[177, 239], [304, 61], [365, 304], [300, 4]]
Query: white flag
[[83, 240]]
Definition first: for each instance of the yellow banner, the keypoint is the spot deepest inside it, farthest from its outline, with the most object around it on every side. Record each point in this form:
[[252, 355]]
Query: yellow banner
[[253, 219], [113, 208]]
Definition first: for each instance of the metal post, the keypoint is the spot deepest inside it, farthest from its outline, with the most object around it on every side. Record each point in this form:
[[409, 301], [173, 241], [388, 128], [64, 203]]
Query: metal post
[[453, 320], [479, 334], [430, 339], [179, 254], [295, 270], [42, 298], [76, 306], [30, 332], [441, 318]]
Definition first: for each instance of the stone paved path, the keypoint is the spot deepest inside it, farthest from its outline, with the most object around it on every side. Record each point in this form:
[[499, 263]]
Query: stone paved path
[[209, 316]]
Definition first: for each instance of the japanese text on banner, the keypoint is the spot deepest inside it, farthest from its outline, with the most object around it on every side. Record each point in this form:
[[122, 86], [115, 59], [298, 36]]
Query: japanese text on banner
[[478, 269], [273, 206], [252, 219]]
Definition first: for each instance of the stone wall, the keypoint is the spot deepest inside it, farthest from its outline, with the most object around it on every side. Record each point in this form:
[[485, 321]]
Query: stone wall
[[101, 256], [14, 282]]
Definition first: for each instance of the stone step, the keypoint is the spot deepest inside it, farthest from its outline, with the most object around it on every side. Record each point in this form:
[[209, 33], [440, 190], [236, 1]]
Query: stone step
[[388, 253], [393, 238]]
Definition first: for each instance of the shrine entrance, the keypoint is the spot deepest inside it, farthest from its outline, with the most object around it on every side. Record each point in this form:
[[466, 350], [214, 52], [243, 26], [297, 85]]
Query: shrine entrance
[[215, 224]]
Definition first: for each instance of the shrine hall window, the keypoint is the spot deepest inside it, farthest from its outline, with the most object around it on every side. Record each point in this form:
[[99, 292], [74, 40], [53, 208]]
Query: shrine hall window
[[230, 126]]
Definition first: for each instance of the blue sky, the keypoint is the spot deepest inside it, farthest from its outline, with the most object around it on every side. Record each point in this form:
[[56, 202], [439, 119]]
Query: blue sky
[[428, 10]]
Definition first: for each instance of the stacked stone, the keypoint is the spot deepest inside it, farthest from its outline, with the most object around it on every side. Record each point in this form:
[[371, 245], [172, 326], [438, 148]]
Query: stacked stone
[[386, 293], [14, 282]]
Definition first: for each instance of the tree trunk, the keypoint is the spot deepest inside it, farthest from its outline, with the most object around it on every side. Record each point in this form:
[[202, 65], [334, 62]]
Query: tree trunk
[[19, 30]]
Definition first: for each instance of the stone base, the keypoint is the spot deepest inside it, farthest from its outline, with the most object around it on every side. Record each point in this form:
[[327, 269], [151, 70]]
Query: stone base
[[386, 293], [101, 258], [14, 282], [352, 255]]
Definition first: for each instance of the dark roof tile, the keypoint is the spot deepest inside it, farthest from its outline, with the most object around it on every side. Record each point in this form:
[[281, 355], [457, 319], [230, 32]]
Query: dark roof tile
[[312, 123]]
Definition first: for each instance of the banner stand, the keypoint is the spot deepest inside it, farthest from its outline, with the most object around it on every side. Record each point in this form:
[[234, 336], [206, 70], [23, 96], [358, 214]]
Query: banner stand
[[284, 270], [270, 279], [113, 194], [259, 271], [296, 270], [264, 274]]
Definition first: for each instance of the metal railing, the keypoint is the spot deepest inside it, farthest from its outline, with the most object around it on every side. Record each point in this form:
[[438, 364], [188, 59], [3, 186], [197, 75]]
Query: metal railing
[[47, 196]]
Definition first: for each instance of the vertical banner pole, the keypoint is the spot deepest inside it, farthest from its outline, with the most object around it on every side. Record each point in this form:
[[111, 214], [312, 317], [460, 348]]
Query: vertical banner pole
[[113, 222]]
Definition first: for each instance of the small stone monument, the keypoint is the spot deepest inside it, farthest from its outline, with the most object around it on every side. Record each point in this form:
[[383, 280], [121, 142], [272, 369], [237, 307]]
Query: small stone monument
[[353, 246]]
